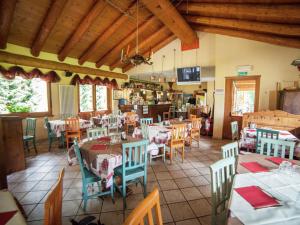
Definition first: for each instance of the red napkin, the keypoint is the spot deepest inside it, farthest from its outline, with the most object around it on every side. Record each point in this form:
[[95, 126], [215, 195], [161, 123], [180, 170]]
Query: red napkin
[[104, 139], [6, 216], [254, 167], [282, 133], [278, 160], [152, 125], [251, 130], [98, 147], [256, 197]]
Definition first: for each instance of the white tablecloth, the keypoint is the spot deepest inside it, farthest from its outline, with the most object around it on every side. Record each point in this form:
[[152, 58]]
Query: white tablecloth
[[58, 126], [7, 203], [282, 186]]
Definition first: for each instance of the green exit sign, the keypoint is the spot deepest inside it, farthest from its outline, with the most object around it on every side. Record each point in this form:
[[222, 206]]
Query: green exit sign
[[244, 73]]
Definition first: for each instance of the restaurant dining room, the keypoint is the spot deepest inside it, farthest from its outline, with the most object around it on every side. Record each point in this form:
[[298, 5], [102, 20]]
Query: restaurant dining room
[[135, 112]]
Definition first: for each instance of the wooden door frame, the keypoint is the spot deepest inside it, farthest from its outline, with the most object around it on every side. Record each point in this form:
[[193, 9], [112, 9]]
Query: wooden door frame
[[228, 94]]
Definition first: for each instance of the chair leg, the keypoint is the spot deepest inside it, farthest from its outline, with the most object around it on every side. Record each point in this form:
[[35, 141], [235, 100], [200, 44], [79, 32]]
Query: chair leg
[[171, 155], [35, 149], [150, 158], [182, 154], [124, 193], [50, 143], [27, 146], [164, 153], [145, 185], [112, 192]]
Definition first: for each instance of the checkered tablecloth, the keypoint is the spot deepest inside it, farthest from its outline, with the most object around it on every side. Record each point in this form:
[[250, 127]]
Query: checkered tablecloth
[[58, 126]]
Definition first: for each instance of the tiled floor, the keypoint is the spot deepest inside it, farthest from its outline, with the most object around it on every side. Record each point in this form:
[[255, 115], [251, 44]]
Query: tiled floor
[[184, 187]]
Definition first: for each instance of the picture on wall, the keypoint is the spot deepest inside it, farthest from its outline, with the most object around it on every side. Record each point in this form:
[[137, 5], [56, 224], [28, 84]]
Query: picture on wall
[[117, 94]]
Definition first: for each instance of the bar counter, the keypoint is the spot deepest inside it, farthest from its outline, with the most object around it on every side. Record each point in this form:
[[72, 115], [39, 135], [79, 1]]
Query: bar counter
[[147, 111]]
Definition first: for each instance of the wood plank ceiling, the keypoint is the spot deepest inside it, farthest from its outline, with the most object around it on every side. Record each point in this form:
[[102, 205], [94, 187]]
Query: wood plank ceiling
[[97, 30]]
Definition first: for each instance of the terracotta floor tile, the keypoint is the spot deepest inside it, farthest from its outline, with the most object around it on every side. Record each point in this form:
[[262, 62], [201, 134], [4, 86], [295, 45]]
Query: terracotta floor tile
[[201, 207], [172, 196], [33, 197], [181, 211], [191, 193], [167, 185], [189, 222]]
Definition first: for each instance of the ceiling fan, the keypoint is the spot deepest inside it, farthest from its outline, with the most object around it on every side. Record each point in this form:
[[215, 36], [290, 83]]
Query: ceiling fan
[[137, 58]]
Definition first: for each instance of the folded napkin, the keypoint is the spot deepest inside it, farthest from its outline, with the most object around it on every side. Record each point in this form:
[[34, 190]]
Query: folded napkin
[[254, 167], [251, 130], [256, 197], [278, 160], [104, 139], [6, 216], [98, 147]]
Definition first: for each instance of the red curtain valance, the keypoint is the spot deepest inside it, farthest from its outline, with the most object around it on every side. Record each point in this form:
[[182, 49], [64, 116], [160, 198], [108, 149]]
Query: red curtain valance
[[97, 81], [14, 71]]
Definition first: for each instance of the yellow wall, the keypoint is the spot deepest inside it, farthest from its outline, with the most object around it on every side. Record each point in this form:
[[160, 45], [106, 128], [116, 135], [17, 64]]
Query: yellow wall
[[41, 131], [272, 62]]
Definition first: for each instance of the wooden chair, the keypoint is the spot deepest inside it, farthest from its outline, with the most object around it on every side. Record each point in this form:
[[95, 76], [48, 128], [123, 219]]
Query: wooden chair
[[195, 131], [230, 150], [192, 116], [144, 209], [112, 124], [234, 130], [146, 121], [88, 178], [52, 135], [273, 134], [130, 121], [177, 140], [53, 203], [30, 133], [94, 133], [166, 116], [72, 129], [145, 133], [134, 166], [277, 147], [66, 116], [222, 174]]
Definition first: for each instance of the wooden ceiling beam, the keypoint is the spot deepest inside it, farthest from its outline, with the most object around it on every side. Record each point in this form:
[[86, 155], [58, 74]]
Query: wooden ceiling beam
[[7, 8], [267, 38], [271, 28], [168, 15], [109, 56], [249, 1], [47, 25], [103, 37], [84, 25], [23, 60], [157, 47], [146, 42], [265, 13]]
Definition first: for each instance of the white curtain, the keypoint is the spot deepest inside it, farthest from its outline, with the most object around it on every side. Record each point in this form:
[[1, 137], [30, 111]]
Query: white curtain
[[66, 99]]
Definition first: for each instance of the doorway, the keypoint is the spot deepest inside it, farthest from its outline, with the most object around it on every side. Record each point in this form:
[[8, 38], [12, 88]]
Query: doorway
[[241, 96]]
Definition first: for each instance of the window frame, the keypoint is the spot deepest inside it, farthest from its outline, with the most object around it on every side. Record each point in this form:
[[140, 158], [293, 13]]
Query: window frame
[[109, 104], [36, 114]]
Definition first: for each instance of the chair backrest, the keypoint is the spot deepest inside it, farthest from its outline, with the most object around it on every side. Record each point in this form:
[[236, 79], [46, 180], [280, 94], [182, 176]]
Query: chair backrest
[[196, 123], [277, 147], [159, 118], [72, 124], [113, 121], [260, 133], [234, 130], [47, 125], [230, 150], [130, 117], [53, 204], [146, 121], [94, 133], [144, 209], [145, 131], [80, 160], [178, 132], [66, 116], [222, 174], [134, 156], [192, 116], [30, 126]]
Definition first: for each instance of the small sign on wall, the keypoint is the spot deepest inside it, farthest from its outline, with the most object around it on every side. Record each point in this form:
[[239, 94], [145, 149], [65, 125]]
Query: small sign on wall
[[243, 70], [145, 109]]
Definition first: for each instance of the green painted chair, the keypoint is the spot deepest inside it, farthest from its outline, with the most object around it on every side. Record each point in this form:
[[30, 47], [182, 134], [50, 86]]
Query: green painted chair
[[222, 174], [52, 135], [234, 130], [277, 148], [89, 178], [146, 121], [159, 118], [94, 133], [230, 150], [265, 133], [30, 133], [112, 124], [145, 133], [134, 166]]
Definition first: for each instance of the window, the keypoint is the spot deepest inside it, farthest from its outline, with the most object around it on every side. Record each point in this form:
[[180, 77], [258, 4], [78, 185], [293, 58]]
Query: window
[[93, 98], [23, 96]]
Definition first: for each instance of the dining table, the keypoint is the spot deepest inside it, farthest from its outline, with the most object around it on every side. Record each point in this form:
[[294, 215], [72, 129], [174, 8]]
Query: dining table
[[277, 184], [58, 126], [10, 214]]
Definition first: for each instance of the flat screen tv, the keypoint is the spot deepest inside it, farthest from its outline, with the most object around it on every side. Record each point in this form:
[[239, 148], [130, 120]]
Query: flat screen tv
[[188, 75]]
